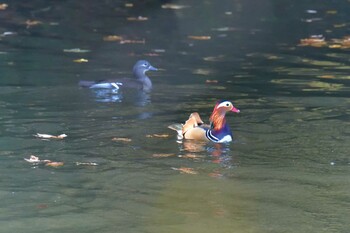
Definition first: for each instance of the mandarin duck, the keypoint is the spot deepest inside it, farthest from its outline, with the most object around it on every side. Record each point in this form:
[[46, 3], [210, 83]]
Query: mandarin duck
[[140, 81], [218, 131]]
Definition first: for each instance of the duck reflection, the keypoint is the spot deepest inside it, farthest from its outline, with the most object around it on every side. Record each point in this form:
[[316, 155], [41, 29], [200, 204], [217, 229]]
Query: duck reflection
[[219, 153], [138, 98]]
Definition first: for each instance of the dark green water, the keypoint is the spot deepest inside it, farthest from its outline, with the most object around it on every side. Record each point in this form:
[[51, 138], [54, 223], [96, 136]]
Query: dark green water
[[287, 170]]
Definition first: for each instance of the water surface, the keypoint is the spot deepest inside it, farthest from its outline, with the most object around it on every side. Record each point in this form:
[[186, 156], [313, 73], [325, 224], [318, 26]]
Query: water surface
[[286, 171]]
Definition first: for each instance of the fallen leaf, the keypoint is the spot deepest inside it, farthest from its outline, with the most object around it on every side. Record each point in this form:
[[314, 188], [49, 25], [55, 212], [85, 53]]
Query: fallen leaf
[[34, 159], [185, 170], [326, 76], [202, 71], [139, 18], [86, 163], [190, 156], [81, 60], [331, 12], [199, 37], [157, 135], [112, 38], [76, 50], [132, 41], [49, 136], [128, 5], [173, 6], [339, 25], [334, 46], [211, 81], [315, 41], [3, 6], [54, 164], [164, 155], [121, 139], [31, 23]]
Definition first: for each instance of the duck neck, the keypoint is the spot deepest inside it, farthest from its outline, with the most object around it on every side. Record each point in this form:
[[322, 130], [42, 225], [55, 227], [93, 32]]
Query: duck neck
[[142, 77], [217, 120]]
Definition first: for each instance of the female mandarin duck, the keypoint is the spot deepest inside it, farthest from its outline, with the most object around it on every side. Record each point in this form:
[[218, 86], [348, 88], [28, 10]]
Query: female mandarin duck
[[218, 131], [141, 81]]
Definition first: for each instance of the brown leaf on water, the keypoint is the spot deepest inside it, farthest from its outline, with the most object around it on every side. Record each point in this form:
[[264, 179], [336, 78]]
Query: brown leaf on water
[[129, 5], [326, 76], [199, 37], [112, 38], [190, 156], [54, 164], [139, 18], [31, 23], [133, 41], [157, 135], [212, 81], [81, 60], [173, 6], [331, 12], [341, 25], [3, 6], [163, 155], [121, 139], [85, 164], [314, 41], [185, 170]]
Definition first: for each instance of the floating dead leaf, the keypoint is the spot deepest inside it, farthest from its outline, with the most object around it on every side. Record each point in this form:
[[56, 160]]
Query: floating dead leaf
[[157, 135], [31, 23], [331, 12], [214, 58], [212, 81], [335, 46], [199, 37], [340, 25], [49, 136], [190, 156], [85, 164], [139, 18], [163, 155], [202, 71], [314, 41], [121, 139], [81, 60], [76, 50], [129, 5], [173, 6], [324, 86], [326, 76], [3, 6], [185, 170], [54, 164], [35, 160], [32, 159], [112, 38], [133, 41]]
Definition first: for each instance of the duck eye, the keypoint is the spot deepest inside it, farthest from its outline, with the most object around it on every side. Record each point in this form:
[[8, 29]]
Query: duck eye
[[145, 64], [227, 105]]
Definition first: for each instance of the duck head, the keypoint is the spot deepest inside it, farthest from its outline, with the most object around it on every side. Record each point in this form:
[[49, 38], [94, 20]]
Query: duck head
[[217, 118], [141, 67]]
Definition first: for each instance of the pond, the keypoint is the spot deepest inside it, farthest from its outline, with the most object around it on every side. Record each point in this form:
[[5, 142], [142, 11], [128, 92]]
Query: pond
[[283, 64]]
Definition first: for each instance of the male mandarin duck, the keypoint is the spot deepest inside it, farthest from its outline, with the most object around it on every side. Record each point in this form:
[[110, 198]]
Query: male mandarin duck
[[218, 131], [141, 81]]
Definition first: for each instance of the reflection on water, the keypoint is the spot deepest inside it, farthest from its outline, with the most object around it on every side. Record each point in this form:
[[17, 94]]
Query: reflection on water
[[287, 171]]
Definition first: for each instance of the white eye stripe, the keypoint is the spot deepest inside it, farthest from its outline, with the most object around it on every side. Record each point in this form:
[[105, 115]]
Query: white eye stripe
[[224, 104]]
